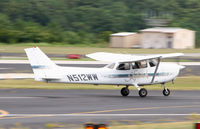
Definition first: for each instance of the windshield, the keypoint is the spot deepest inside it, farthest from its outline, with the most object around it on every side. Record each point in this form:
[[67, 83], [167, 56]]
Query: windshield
[[111, 66], [152, 63]]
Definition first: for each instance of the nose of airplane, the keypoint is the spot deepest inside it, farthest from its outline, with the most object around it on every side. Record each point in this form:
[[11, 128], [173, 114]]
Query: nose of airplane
[[181, 67]]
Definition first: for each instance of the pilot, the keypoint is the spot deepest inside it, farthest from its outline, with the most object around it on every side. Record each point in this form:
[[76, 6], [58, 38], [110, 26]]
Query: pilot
[[138, 65], [124, 66], [121, 67]]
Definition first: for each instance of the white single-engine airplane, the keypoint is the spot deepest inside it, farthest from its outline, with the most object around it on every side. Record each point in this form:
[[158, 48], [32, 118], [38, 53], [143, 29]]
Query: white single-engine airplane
[[124, 69]]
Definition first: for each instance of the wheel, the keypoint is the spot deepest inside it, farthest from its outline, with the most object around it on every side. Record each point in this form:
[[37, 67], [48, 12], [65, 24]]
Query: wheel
[[125, 91], [143, 92], [166, 92]]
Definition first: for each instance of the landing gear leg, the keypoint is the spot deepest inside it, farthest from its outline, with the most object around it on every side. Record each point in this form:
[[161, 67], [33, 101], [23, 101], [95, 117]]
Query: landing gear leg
[[166, 92], [142, 92], [125, 91]]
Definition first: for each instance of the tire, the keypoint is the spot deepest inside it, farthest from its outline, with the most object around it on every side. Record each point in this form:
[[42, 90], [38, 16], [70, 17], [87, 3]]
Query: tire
[[166, 92], [124, 91], [143, 92]]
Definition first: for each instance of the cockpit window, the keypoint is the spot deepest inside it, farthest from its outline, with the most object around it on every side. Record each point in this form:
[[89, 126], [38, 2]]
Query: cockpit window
[[139, 64], [135, 65], [111, 66], [152, 63], [124, 66]]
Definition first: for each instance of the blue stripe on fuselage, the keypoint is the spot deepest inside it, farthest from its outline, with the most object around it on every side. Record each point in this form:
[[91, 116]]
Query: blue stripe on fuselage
[[38, 66], [136, 74]]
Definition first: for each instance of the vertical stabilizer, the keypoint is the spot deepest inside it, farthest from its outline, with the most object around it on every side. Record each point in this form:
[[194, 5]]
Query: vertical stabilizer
[[40, 63]]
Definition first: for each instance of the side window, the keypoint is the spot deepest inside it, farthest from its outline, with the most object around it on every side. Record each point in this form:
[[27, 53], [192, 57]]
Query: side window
[[152, 63], [124, 66], [143, 64], [135, 65], [111, 66], [139, 64]]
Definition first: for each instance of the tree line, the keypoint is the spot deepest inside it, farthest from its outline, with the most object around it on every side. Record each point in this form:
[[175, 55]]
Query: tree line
[[89, 21]]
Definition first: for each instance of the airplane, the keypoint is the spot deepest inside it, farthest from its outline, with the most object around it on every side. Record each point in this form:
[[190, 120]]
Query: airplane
[[124, 69]]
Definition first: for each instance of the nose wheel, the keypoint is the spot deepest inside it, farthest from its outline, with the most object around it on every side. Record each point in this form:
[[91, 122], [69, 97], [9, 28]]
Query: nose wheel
[[125, 91], [166, 92]]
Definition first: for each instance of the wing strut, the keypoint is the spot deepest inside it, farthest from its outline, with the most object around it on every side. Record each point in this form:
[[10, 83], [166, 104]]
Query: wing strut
[[159, 58]]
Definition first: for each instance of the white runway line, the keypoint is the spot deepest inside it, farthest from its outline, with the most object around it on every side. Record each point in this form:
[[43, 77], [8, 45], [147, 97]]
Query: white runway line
[[16, 76], [94, 115], [5, 68], [19, 97]]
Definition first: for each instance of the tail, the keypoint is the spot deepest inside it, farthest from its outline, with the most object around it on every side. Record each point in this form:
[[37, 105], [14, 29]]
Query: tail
[[40, 63]]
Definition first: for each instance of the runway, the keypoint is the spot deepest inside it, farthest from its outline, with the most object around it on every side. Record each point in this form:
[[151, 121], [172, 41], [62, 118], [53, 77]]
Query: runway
[[35, 107]]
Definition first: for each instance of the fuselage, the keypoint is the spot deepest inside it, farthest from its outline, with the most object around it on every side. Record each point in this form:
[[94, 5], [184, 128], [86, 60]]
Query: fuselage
[[112, 76]]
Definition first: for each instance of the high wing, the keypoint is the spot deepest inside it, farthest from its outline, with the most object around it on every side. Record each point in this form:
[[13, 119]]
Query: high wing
[[111, 57]]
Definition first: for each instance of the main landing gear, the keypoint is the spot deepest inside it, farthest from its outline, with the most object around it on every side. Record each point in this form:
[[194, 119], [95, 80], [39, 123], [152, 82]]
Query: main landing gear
[[142, 91], [125, 91]]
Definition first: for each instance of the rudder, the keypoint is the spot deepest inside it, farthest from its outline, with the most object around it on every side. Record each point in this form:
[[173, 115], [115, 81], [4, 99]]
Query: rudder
[[40, 63]]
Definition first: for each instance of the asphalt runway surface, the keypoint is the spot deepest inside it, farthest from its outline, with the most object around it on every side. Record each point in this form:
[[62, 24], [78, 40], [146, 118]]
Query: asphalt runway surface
[[35, 107], [192, 70]]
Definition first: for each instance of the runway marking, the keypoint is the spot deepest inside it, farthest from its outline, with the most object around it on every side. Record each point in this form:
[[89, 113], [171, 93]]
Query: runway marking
[[92, 114], [19, 116], [3, 113], [6, 68], [50, 115], [18, 97], [135, 109], [23, 116]]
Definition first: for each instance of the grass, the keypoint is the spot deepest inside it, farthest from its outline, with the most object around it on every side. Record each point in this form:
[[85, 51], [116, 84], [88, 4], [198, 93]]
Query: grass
[[130, 124], [58, 49], [186, 83], [171, 125], [167, 125]]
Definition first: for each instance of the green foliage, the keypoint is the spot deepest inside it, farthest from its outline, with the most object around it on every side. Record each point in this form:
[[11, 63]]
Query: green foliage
[[104, 36], [88, 21]]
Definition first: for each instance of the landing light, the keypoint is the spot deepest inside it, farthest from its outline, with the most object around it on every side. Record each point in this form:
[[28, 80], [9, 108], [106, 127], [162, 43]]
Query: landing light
[[102, 128], [89, 126]]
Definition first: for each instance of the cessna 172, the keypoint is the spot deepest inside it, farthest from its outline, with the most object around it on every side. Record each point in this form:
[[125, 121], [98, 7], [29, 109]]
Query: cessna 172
[[124, 69]]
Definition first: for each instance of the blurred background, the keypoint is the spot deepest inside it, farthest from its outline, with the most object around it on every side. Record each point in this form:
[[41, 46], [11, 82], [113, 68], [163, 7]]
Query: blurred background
[[91, 21], [72, 28]]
